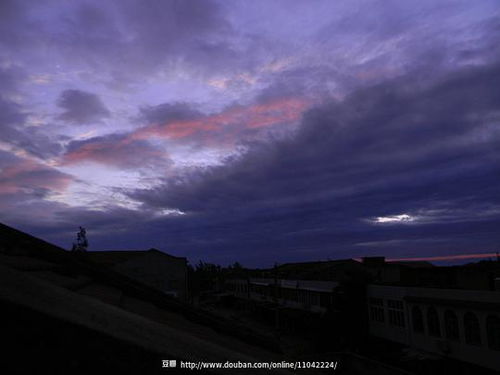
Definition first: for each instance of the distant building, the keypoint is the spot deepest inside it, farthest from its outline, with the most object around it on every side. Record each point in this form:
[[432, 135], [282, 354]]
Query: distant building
[[308, 295], [444, 314], [458, 324], [475, 276], [154, 268], [331, 270]]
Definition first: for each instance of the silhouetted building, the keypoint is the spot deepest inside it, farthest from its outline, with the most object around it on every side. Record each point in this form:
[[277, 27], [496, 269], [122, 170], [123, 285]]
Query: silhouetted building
[[64, 314], [154, 268], [474, 276]]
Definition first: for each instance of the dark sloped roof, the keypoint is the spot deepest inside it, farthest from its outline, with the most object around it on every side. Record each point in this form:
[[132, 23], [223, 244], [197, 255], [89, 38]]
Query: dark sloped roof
[[67, 286]]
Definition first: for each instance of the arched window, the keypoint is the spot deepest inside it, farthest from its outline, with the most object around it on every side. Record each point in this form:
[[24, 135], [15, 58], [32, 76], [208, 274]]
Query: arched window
[[433, 322], [493, 329], [395, 310], [451, 325], [417, 319], [472, 330]]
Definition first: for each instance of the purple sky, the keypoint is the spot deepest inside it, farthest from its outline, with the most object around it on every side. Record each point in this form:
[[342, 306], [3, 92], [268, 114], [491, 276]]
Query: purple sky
[[253, 131]]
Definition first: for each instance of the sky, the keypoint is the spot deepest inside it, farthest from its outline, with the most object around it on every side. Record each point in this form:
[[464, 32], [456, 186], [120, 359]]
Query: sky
[[253, 131]]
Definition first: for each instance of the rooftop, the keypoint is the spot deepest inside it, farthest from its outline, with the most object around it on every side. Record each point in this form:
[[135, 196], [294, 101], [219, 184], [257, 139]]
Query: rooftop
[[111, 257]]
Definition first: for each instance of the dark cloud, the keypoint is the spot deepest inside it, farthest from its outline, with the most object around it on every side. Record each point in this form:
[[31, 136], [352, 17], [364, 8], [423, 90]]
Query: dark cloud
[[81, 107], [11, 113], [13, 119], [124, 40], [369, 42], [424, 144], [121, 38], [10, 77], [164, 27], [33, 140], [11, 12], [394, 148], [58, 223]]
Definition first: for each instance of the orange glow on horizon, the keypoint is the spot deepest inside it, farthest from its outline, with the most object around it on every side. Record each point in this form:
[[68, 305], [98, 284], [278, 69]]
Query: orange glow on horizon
[[444, 257]]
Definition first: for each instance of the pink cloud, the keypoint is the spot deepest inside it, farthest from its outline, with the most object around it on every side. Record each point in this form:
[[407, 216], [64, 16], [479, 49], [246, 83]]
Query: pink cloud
[[132, 150], [27, 174], [119, 151], [278, 111]]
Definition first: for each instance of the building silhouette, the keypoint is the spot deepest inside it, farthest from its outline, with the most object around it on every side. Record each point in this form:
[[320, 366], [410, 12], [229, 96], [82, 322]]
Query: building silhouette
[[152, 267]]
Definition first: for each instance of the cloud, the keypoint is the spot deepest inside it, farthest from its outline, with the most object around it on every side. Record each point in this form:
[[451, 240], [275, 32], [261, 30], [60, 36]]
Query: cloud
[[443, 212], [172, 121], [11, 113], [394, 219], [21, 175], [120, 39], [115, 150], [169, 121], [422, 144], [81, 107], [11, 12], [168, 112], [192, 29], [395, 147], [10, 77], [14, 119]]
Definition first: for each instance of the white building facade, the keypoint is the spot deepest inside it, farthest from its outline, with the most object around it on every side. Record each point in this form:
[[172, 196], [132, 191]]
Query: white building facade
[[458, 324]]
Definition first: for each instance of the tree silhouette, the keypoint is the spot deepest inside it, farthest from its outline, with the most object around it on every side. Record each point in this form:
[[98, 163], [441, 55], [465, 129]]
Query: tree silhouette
[[81, 241]]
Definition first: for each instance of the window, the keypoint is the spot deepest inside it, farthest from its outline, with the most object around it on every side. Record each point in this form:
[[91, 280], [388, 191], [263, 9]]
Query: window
[[285, 294], [376, 309], [451, 325], [325, 300], [301, 296], [433, 322], [314, 298], [396, 313], [493, 329], [417, 319], [472, 330], [240, 287], [291, 295]]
